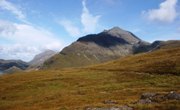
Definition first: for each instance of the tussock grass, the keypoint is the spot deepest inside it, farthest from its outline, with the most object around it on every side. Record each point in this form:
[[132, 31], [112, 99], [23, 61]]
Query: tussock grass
[[123, 80]]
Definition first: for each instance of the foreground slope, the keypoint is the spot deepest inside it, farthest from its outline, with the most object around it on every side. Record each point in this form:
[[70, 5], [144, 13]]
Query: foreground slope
[[121, 81], [163, 61], [96, 48]]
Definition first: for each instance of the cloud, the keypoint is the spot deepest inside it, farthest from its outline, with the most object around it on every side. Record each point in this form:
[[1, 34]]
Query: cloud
[[165, 13], [69, 27], [18, 51], [6, 28], [89, 22], [26, 40], [5, 5]]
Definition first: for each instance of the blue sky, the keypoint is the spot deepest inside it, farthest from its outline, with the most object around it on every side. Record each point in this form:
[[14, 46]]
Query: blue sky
[[28, 27]]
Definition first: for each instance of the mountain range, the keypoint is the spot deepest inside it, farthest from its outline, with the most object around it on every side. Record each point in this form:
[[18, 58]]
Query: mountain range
[[7, 64], [88, 50], [105, 46], [12, 66]]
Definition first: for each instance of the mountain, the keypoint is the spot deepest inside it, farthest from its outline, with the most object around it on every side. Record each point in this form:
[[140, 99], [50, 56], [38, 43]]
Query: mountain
[[96, 48], [13, 69], [157, 45], [6, 64], [39, 59]]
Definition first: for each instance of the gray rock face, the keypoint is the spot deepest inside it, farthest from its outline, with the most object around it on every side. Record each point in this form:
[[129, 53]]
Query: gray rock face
[[150, 98], [173, 95]]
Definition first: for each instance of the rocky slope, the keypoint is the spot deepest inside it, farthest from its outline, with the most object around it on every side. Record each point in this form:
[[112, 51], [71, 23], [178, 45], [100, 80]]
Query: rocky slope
[[39, 59], [96, 48]]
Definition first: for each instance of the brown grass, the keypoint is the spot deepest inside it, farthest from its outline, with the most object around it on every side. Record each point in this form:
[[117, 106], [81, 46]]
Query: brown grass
[[75, 89]]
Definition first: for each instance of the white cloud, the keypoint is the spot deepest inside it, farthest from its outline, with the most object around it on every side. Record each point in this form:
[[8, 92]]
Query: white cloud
[[6, 28], [89, 21], [18, 51], [165, 13], [27, 40], [5, 5], [70, 28]]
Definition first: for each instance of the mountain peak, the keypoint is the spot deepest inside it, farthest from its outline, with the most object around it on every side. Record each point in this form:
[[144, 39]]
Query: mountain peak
[[114, 29], [111, 37]]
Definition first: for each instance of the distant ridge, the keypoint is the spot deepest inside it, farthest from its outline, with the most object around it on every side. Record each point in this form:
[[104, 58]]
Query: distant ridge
[[7, 64]]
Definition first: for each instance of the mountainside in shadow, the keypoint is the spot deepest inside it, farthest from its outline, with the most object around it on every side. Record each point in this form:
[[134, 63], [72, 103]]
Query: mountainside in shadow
[[96, 48], [6, 64], [157, 45]]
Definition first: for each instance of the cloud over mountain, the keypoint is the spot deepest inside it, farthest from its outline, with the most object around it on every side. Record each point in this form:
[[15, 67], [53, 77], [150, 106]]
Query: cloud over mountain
[[26, 40], [88, 21]]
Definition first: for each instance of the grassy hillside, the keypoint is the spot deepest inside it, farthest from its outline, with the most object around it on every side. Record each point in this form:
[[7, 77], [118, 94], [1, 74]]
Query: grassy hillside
[[122, 81], [162, 61]]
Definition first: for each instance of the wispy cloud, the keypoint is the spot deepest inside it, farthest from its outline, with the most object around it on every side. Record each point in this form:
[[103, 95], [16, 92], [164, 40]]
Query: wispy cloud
[[165, 13], [26, 38], [70, 27], [89, 22], [6, 5]]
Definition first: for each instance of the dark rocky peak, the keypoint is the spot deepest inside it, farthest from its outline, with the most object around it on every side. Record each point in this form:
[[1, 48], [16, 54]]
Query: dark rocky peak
[[103, 40], [114, 36]]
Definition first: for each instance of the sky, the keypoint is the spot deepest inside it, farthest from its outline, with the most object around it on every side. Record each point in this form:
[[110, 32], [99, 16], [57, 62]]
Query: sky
[[29, 27]]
